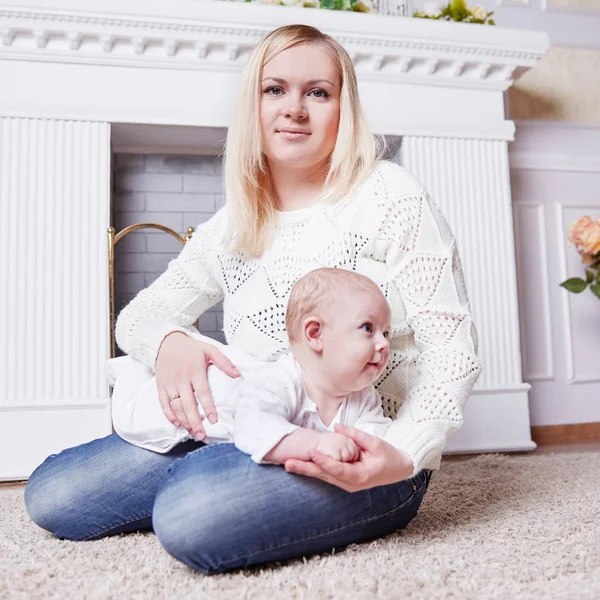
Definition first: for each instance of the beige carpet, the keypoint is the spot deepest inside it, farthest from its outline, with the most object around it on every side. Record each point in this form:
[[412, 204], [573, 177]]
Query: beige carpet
[[492, 526]]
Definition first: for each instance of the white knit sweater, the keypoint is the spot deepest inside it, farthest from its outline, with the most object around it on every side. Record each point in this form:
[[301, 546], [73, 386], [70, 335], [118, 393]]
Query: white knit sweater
[[390, 231]]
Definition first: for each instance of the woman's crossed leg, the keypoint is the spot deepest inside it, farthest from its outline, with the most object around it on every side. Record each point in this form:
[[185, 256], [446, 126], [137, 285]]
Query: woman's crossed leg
[[97, 489], [218, 511]]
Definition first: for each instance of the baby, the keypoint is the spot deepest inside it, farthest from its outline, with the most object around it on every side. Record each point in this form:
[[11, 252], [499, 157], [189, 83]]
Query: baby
[[337, 323]]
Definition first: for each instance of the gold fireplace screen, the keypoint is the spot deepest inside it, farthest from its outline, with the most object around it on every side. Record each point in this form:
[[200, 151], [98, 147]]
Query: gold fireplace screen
[[113, 240]]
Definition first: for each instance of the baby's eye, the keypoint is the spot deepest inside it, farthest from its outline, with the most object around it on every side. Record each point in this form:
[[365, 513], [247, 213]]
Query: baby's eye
[[368, 327], [386, 335]]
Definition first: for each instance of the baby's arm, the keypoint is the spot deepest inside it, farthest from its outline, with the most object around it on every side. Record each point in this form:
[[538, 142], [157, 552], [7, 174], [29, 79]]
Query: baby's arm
[[264, 411], [299, 443]]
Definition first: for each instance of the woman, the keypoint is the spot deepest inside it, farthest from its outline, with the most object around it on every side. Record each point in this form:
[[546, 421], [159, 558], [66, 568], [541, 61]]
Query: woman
[[305, 188]]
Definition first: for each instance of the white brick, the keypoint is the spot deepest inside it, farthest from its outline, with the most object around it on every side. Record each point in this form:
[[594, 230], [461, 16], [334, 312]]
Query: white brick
[[150, 182], [172, 220], [129, 161], [130, 283], [203, 184], [150, 278], [180, 202], [141, 263], [121, 301], [219, 201], [163, 242], [207, 322], [129, 202], [194, 219], [132, 242]]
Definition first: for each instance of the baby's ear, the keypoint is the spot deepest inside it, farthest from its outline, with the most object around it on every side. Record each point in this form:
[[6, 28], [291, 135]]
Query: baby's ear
[[312, 330]]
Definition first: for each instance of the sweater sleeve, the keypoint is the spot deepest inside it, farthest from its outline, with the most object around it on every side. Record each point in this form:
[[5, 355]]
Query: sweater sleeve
[[176, 299], [425, 268]]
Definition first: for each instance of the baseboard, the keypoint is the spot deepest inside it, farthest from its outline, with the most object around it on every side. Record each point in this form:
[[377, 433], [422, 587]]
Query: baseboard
[[565, 434], [495, 420], [30, 433]]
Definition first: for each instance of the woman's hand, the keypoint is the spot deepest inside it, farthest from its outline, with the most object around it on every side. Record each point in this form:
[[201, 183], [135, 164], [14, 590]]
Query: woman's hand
[[180, 372], [379, 464]]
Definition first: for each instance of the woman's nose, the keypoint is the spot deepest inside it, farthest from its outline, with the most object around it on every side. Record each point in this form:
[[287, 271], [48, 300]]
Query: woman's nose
[[295, 109]]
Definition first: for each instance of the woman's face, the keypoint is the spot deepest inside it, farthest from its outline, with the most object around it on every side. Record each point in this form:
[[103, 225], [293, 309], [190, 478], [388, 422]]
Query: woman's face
[[300, 107]]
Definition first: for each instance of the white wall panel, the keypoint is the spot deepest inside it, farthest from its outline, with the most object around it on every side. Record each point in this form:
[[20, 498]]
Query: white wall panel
[[54, 211], [555, 172], [468, 179], [532, 258]]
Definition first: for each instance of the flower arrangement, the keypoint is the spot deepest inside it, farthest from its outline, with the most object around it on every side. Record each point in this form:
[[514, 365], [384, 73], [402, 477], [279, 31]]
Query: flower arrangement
[[455, 10], [364, 6], [585, 234]]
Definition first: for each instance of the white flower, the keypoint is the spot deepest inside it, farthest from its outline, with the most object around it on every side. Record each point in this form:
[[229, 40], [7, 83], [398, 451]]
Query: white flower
[[479, 13], [310, 3], [293, 2], [432, 9], [269, 1]]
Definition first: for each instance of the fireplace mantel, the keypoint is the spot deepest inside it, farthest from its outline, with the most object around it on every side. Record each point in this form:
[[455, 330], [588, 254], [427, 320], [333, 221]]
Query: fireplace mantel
[[73, 73], [448, 75]]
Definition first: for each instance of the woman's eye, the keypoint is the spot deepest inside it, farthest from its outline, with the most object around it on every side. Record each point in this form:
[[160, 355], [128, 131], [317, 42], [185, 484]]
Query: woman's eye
[[273, 89], [367, 327], [321, 93]]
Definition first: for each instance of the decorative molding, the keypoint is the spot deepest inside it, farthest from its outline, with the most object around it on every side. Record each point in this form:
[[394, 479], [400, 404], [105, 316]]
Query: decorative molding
[[548, 373], [566, 298], [180, 42], [579, 146]]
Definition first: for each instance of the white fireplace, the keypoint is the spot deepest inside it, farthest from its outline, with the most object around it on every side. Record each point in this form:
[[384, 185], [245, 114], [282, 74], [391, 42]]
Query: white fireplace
[[79, 78]]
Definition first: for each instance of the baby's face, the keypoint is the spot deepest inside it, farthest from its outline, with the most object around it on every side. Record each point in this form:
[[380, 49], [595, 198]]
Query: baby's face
[[355, 340]]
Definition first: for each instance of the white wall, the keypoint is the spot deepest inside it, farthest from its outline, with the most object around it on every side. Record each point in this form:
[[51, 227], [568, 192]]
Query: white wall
[[555, 179]]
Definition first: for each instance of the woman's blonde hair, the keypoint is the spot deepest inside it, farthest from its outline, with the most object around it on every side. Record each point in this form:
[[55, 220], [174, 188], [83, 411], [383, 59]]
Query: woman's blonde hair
[[248, 189]]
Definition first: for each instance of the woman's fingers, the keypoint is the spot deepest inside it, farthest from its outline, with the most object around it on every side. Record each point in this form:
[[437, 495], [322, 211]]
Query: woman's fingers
[[190, 408], [202, 391], [163, 398], [222, 363], [340, 470], [310, 469], [179, 413], [363, 440]]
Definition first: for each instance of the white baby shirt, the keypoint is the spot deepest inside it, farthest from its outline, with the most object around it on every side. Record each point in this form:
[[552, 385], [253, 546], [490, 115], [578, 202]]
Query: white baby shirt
[[255, 411]]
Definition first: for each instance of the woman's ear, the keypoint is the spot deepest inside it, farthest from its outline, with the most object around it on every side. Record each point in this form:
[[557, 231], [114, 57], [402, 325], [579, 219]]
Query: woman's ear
[[312, 332]]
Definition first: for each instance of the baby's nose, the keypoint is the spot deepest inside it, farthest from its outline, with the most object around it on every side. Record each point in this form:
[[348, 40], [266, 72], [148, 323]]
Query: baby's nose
[[383, 344]]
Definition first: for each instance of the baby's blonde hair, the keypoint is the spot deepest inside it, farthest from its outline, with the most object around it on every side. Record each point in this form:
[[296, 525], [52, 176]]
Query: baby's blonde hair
[[313, 291], [248, 189]]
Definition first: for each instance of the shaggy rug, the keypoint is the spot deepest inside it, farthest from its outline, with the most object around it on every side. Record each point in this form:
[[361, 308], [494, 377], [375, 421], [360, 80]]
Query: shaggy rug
[[492, 526]]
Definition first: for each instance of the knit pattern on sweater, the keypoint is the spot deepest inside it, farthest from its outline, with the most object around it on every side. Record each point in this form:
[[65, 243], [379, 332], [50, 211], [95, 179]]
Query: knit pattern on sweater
[[389, 230]]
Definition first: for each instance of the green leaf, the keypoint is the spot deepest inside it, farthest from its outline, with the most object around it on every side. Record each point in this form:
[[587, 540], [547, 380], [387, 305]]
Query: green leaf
[[339, 4], [327, 4], [596, 289], [590, 276], [575, 285]]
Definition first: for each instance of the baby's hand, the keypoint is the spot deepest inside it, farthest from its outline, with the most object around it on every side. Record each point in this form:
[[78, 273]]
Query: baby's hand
[[338, 446]]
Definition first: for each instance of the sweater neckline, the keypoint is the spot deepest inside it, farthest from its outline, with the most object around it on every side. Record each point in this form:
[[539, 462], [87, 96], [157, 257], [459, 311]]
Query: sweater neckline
[[288, 217]]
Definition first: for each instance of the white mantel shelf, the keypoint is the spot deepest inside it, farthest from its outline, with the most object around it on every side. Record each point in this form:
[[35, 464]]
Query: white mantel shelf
[[218, 36], [79, 79]]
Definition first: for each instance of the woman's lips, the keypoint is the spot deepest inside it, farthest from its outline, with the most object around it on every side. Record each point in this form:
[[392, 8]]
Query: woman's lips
[[289, 135]]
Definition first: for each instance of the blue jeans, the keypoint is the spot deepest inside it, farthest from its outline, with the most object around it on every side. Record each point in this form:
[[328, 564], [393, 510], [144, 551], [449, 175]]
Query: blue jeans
[[211, 507]]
